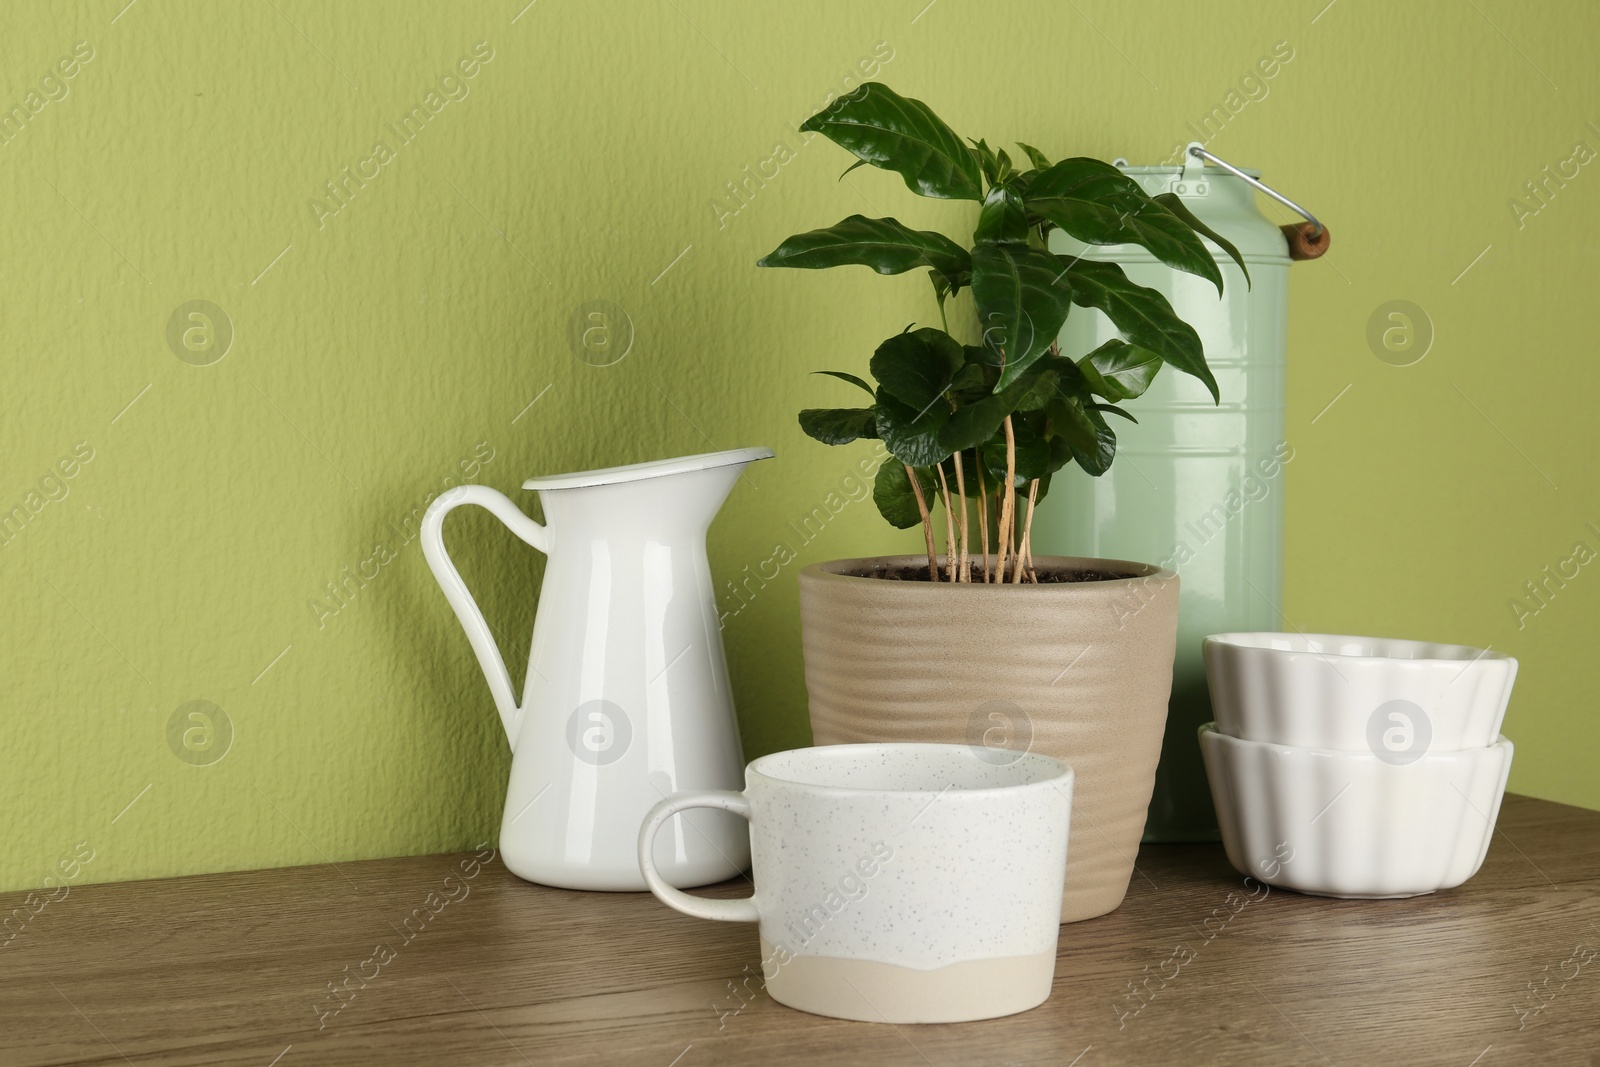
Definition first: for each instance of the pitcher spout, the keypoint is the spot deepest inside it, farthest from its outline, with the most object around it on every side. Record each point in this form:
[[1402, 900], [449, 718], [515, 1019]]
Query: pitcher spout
[[643, 501], [733, 460]]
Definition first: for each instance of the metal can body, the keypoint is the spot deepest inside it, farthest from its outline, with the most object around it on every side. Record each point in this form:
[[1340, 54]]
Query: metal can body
[[1196, 486]]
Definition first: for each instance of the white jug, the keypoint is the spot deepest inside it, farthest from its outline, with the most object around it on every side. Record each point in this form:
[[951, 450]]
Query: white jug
[[626, 698]]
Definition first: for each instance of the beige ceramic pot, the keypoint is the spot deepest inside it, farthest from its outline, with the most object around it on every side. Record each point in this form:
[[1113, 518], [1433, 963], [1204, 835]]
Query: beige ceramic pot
[[1077, 670]]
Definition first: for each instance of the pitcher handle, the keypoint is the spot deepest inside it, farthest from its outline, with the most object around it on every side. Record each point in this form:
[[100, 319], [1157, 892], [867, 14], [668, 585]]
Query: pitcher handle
[[455, 590]]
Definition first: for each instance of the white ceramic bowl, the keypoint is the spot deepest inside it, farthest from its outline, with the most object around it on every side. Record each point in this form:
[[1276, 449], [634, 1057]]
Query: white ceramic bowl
[[1349, 824], [1357, 694]]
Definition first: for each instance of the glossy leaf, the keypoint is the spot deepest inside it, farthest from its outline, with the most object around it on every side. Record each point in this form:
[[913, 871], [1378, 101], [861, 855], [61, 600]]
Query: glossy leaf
[[976, 377], [1039, 160], [976, 422], [1069, 376], [846, 377], [881, 127], [1060, 456], [891, 491], [1041, 392], [1098, 204], [1044, 483], [1174, 203], [910, 434], [839, 426], [1003, 217], [885, 245], [1032, 458], [1119, 371], [1022, 296], [916, 367], [1020, 183], [948, 286], [1112, 409], [1142, 315], [1084, 429], [996, 165], [1054, 455]]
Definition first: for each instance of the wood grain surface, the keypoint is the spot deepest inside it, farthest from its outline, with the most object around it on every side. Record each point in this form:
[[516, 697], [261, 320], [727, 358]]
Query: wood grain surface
[[477, 967]]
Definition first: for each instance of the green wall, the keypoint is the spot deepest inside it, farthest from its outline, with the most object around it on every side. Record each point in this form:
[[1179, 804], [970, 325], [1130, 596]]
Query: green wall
[[389, 340]]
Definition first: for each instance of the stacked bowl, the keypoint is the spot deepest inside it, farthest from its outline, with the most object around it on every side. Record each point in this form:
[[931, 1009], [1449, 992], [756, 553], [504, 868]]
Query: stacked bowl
[[1355, 766]]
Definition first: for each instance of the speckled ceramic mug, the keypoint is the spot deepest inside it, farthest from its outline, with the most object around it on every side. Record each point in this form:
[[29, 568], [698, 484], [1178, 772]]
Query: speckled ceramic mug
[[900, 883]]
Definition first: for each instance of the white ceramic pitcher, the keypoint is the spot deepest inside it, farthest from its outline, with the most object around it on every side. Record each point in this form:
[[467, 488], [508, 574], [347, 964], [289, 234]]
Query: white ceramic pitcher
[[626, 698]]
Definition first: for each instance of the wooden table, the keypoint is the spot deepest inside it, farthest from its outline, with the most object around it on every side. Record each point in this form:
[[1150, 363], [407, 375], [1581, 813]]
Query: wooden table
[[235, 969]]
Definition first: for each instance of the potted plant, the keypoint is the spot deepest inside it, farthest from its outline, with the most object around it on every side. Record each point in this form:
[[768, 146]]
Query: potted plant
[[983, 642]]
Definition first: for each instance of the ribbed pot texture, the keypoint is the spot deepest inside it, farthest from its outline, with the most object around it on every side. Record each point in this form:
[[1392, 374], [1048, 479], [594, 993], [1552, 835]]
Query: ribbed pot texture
[[1076, 670]]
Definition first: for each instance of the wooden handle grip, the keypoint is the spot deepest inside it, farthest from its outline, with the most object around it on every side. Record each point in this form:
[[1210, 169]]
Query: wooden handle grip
[[1305, 241]]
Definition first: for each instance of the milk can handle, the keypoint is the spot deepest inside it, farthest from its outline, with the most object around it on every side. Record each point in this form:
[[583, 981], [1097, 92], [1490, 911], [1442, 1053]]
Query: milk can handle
[[455, 590], [1306, 241]]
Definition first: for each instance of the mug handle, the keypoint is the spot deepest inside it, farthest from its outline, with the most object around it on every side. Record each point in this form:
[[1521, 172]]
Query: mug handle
[[741, 910]]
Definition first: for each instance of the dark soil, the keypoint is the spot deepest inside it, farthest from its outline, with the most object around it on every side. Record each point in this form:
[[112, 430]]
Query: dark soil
[[1047, 576]]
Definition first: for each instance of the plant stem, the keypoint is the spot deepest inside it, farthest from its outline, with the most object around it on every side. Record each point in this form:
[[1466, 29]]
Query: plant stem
[[949, 526], [983, 516], [927, 522], [1025, 553], [1016, 539], [965, 572], [1008, 507]]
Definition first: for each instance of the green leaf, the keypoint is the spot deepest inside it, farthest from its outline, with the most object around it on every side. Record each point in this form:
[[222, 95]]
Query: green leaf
[[1034, 466], [1174, 203], [987, 163], [891, 491], [969, 470], [851, 378], [1022, 296], [1112, 409], [1044, 483], [916, 368], [996, 166], [881, 127], [1039, 160], [1033, 454], [1020, 183], [1060, 456], [944, 287], [977, 422], [1070, 379], [1142, 315], [839, 426], [911, 434], [1002, 218], [1098, 204], [1119, 371], [1032, 461], [975, 380], [1041, 392], [1085, 431], [885, 245]]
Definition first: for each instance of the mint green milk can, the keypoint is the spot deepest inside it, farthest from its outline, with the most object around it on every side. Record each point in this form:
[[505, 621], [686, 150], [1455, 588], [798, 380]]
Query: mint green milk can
[[1196, 486]]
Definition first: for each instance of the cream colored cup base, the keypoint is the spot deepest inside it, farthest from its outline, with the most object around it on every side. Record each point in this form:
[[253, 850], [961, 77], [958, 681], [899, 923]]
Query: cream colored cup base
[[887, 993]]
